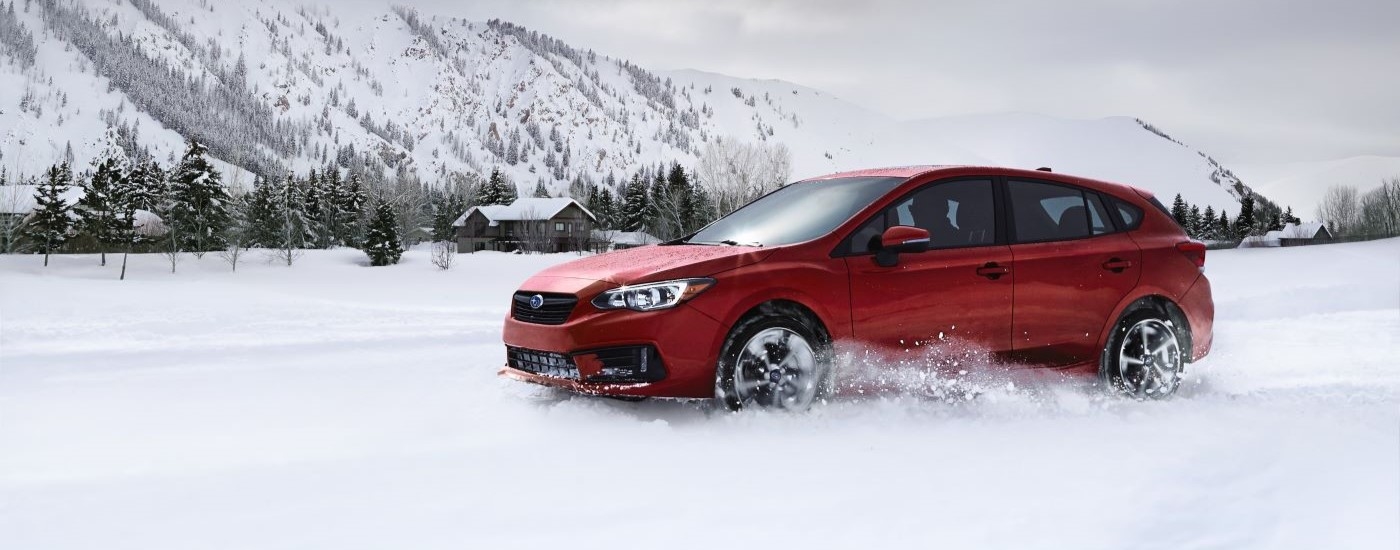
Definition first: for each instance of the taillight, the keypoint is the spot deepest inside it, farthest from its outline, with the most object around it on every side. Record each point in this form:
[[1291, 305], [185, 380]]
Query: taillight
[[1194, 251]]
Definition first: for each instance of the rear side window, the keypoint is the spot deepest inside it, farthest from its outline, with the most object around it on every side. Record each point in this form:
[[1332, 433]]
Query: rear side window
[[1045, 212], [1129, 216]]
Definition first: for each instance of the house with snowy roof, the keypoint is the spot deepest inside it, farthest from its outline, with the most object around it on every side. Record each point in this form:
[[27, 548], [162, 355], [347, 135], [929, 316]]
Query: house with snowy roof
[[529, 224], [1293, 234]]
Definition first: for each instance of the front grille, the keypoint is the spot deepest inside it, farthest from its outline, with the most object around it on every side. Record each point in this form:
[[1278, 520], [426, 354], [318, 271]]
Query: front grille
[[554, 311], [545, 363]]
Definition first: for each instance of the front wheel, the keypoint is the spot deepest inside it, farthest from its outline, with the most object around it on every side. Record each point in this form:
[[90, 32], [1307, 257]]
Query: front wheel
[[778, 359], [1143, 358]]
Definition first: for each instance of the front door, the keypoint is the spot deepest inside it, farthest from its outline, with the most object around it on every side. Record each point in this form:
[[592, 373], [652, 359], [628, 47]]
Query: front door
[[1072, 269], [953, 300]]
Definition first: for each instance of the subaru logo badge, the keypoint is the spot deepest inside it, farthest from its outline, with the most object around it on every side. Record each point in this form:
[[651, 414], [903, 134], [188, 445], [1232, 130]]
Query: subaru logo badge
[[536, 301]]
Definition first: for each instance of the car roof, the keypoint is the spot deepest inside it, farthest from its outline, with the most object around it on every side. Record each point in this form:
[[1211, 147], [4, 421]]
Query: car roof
[[916, 171]]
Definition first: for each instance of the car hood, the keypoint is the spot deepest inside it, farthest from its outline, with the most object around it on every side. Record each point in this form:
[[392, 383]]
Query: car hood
[[657, 263]]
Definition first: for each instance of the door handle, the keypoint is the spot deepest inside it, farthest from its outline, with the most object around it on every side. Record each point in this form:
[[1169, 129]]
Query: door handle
[[993, 271], [1117, 265]]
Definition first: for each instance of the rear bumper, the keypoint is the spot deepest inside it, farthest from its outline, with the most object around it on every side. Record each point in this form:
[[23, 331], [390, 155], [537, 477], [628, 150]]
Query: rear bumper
[[1199, 307], [686, 342]]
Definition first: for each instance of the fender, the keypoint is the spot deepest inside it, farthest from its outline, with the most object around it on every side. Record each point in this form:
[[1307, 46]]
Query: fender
[[1138, 293]]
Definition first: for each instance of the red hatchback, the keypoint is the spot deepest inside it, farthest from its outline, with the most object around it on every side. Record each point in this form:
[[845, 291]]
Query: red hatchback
[[1034, 268]]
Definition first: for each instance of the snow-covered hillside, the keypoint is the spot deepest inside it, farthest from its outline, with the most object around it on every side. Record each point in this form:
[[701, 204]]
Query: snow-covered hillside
[[330, 405], [271, 85], [1303, 184]]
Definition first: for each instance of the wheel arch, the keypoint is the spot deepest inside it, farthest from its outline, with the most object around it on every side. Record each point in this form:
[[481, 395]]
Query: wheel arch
[[1151, 301]]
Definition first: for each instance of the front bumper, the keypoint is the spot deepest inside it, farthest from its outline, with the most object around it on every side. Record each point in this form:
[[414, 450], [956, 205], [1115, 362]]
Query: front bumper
[[684, 343]]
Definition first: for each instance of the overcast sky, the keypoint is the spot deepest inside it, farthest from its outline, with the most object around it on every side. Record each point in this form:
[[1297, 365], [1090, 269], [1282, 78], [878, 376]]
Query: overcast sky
[[1246, 81]]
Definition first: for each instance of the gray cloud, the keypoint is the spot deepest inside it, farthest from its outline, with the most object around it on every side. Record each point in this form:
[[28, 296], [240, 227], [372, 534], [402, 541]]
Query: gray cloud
[[1247, 80]]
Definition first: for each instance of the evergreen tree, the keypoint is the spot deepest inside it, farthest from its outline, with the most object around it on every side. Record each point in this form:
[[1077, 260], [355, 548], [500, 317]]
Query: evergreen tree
[[1288, 217], [446, 211], [606, 210], [1244, 223], [541, 192], [352, 202], [50, 226], [632, 213], [1275, 222], [199, 202], [1193, 220], [382, 236], [261, 215], [1209, 226], [1179, 211], [497, 190], [98, 209], [1227, 231]]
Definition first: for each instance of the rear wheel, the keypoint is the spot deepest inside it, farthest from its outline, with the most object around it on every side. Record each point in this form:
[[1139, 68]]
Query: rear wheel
[[1144, 357], [779, 358]]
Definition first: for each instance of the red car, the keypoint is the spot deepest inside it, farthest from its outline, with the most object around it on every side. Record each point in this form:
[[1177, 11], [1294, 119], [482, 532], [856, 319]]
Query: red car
[[1032, 267]]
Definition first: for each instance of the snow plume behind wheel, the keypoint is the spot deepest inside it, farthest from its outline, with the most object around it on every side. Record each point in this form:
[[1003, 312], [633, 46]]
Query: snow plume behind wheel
[[779, 356]]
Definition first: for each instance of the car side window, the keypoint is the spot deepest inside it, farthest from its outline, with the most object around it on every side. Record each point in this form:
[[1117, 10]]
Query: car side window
[[1129, 216], [1046, 212], [1098, 215], [958, 213]]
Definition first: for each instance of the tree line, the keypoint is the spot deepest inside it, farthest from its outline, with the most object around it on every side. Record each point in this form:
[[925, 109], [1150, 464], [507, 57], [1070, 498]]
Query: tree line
[[1251, 220], [1375, 213]]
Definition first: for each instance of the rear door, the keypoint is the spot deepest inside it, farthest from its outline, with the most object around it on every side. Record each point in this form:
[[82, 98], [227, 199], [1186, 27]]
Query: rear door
[[948, 301], [1072, 269]]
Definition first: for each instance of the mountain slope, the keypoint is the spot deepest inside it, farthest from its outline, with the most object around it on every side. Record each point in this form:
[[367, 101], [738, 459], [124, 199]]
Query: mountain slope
[[272, 85]]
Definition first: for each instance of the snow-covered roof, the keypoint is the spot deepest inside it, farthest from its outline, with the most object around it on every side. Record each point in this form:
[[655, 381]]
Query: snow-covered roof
[[630, 238], [19, 199], [529, 208], [1300, 231]]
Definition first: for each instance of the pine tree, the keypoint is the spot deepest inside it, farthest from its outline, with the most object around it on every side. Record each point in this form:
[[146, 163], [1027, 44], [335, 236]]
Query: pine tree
[[497, 190], [352, 210], [606, 210], [382, 236], [199, 202], [446, 211], [50, 225], [261, 215], [1244, 223], [1275, 222], [1227, 231], [1209, 226], [1179, 211], [541, 192], [97, 209], [1288, 217], [635, 203], [1193, 219]]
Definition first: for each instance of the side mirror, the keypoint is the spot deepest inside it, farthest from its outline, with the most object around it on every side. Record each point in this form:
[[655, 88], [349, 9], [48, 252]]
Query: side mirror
[[900, 239]]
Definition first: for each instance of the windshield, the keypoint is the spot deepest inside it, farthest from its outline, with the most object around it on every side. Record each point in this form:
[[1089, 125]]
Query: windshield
[[798, 212]]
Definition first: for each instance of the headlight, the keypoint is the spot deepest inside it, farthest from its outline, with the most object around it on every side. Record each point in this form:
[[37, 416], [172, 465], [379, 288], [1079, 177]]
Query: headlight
[[652, 296]]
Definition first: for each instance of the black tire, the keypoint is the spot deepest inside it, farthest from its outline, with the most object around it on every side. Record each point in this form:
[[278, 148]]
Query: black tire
[[1137, 333], [784, 317]]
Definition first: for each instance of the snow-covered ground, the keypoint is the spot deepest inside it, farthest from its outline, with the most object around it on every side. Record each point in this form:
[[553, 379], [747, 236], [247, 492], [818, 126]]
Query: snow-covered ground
[[330, 405]]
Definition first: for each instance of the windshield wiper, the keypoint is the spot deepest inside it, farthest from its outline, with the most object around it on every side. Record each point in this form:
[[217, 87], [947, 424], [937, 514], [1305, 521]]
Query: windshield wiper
[[732, 242]]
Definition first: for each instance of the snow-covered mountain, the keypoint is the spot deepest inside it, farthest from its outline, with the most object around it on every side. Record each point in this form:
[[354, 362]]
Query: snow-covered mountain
[[272, 85]]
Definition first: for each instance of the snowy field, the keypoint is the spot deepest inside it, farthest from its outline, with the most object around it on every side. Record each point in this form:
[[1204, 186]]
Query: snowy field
[[331, 405]]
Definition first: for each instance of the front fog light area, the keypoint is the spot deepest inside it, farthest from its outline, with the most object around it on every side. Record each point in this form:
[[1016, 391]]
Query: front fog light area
[[630, 364]]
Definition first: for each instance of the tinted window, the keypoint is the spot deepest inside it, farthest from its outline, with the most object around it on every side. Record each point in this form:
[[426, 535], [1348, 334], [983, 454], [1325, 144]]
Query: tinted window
[[1098, 215], [1129, 216], [1044, 212], [798, 212], [955, 213]]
